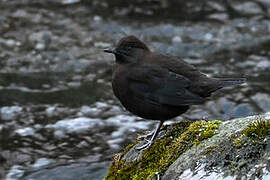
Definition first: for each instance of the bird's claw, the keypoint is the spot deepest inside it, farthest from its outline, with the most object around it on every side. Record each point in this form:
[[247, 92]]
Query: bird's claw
[[154, 135], [145, 146], [144, 137]]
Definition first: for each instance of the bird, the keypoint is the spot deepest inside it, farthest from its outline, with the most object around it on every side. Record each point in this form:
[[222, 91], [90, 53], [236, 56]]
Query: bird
[[156, 86]]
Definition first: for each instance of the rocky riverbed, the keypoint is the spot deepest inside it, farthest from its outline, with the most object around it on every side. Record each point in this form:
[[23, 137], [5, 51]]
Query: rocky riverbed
[[57, 110]]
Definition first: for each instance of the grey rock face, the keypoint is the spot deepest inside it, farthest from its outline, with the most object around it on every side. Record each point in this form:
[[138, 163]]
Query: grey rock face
[[193, 164], [239, 149]]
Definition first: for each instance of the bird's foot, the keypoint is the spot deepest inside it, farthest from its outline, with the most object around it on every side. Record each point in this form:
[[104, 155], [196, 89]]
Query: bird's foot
[[145, 146], [154, 135], [146, 136]]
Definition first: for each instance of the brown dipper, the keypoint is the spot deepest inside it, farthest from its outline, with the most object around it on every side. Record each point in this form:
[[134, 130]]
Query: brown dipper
[[156, 86]]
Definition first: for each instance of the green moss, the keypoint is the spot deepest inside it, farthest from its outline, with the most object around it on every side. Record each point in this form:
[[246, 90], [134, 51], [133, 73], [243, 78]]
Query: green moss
[[252, 133], [239, 141], [258, 129], [164, 151], [255, 130]]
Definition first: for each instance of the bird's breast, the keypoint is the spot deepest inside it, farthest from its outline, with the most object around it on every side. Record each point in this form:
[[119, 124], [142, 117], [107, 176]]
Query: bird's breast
[[120, 82], [137, 104]]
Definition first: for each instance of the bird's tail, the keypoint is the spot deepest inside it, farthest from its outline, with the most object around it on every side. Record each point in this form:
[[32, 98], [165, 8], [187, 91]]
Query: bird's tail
[[225, 82]]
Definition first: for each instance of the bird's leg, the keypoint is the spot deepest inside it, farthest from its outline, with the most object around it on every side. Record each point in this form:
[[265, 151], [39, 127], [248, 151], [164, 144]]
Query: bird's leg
[[149, 143]]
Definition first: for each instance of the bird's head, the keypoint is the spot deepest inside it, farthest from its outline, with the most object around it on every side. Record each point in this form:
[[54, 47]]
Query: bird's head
[[128, 50]]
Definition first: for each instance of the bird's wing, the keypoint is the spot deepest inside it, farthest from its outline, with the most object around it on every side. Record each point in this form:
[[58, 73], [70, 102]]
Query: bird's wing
[[201, 84], [160, 86], [180, 67]]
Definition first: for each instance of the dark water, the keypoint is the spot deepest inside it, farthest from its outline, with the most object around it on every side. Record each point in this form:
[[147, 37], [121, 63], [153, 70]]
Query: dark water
[[28, 88], [58, 113]]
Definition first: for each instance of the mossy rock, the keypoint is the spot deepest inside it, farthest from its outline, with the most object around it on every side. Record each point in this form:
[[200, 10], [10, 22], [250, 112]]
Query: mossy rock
[[176, 139], [238, 148]]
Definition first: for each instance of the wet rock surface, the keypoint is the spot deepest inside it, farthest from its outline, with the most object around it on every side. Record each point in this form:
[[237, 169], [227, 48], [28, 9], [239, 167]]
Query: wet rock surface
[[57, 110]]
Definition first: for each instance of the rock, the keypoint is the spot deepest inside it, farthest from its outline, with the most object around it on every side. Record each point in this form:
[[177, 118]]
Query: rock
[[40, 46], [233, 149], [82, 144], [28, 131], [10, 43], [59, 134], [15, 172], [176, 39], [51, 111], [266, 2], [262, 65], [114, 143], [41, 39], [262, 100], [101, 105], [70, 1], [38, 126], [74, 84], [208, 36], [10, 112], [90, 112], [219, 16], [41, 163], [248, 7], [97, 18], [77, 125], [1, 128], [226, 107], [242, 110], [114, 110], [102, 44], [20, 13]]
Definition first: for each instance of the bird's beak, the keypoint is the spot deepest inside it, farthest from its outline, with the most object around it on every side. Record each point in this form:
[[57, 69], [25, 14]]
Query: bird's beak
[[109, 50]]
